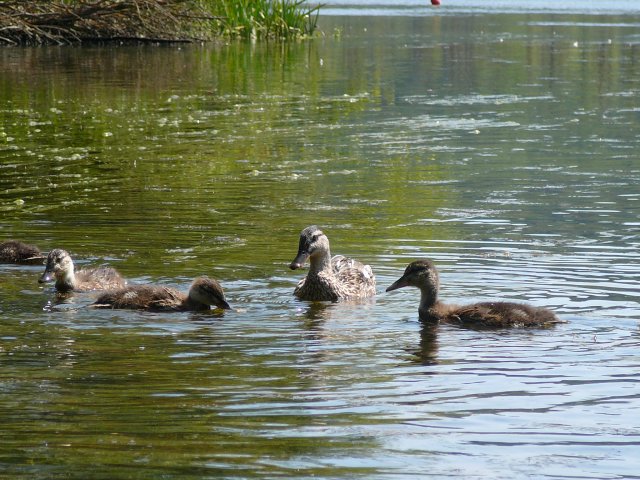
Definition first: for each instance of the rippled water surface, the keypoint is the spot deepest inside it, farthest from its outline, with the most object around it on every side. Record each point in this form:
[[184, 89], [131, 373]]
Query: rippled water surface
[[502, 145]]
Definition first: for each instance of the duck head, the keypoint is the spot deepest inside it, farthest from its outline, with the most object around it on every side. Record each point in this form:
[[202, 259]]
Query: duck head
[[313, 243], [421, 274], [59, 263], [208, 291]]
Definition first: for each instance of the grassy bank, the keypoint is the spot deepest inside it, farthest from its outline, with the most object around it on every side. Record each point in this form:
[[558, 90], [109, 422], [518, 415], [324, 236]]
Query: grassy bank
[[263, 18], [35, 22]]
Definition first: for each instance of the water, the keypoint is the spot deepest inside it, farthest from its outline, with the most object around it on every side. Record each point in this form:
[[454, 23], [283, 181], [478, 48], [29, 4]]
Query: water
[[502, 145], [457, 7]]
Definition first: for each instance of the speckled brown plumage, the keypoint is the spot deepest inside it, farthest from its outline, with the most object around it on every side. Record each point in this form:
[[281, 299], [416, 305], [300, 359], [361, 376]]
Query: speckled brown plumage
[[330, 278], [423, 274], [60, 266], [14, 251], [204, 293]]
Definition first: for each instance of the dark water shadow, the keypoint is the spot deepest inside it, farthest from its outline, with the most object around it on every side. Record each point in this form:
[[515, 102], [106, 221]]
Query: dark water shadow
[[426, 352]]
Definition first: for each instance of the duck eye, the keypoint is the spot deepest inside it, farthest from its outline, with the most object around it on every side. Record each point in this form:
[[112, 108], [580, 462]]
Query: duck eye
[[314, 238]]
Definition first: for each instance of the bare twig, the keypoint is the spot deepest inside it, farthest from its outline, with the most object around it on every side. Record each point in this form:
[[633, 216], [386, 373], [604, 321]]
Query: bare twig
[[54, 21]]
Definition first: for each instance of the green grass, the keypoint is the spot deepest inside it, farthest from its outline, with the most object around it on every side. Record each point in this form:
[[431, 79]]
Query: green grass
[[281, 19]]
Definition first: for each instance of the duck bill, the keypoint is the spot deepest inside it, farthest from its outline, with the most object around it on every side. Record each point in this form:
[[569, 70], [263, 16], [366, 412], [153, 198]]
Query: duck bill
[[224, 305], [401, 282], [298, 262], [47, 276]]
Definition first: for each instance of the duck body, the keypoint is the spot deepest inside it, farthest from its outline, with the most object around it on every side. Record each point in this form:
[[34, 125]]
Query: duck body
[[330, 278], [14, 251], [60, 267], [204, 293], [489, 315], [423, 275]]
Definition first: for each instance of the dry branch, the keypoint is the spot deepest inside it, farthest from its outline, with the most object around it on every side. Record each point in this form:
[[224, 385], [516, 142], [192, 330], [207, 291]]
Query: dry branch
[[62, 22]]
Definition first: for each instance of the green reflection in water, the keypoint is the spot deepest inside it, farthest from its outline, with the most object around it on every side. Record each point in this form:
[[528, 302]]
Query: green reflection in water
[[223, 144]]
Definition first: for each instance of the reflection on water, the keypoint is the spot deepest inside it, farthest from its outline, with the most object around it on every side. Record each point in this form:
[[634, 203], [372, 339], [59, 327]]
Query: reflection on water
[[457, 7], [503, 146]]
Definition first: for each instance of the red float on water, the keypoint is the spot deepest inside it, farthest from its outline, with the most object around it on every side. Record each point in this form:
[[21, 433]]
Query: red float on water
[[435, 2]]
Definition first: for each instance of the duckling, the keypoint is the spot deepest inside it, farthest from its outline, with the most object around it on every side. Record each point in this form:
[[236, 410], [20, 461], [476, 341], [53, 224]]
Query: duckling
[[13, 251], [203, 293], [330, 278], [60, 266], [424, 275]]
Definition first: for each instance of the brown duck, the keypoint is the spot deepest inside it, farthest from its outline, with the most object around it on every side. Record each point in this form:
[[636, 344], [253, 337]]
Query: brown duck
[[13, 251], [330, 278], [204, 293], [60, 266], [423, 274]]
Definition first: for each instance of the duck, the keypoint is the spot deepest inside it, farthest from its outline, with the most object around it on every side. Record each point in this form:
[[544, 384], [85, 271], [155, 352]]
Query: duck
[[203, 293], [332, 279], [14, 251], [60, 266], [423, 275]]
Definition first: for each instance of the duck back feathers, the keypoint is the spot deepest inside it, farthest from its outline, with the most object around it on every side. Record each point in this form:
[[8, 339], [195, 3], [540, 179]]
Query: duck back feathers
[[14, 251], [142, 297], [204, 293], [503, 314], [99, 278]]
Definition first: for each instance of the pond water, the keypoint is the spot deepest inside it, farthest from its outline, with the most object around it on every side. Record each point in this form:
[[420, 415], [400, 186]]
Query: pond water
[[502, 145]]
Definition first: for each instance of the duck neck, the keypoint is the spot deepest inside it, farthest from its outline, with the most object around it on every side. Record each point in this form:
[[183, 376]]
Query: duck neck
[[66, 279], [320, 262], [428, 298], [190, 303]]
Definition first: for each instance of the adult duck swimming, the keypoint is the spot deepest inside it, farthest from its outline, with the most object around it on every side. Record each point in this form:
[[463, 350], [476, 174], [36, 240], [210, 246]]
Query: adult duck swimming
[[329, 278]]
